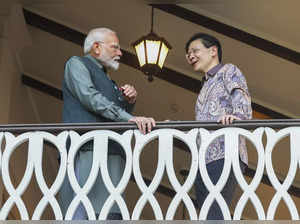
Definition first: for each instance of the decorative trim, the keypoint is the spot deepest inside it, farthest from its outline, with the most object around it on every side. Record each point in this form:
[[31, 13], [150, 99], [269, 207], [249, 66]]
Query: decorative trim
[[267, 111], [42, 87]]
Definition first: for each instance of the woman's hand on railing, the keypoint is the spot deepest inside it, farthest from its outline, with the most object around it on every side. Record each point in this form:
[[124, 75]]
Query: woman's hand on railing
[[144, 124]]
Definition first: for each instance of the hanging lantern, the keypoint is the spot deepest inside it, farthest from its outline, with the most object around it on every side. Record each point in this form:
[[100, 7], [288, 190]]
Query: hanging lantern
[[151, 51]]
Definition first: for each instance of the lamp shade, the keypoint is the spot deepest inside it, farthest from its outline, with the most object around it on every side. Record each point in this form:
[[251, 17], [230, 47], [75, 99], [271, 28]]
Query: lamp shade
[[151, 51]]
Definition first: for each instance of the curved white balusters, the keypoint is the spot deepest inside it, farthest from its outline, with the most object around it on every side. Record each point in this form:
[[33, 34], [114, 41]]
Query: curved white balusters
[[12, 143], [1, 138], [214, 190], [231, 136], [116, 192], [81, 193], [165, 161], [34, 163], [249, 190], [147, 191], [165, 158], [99, 161], [281, 189], [181, 191], [49, 194]]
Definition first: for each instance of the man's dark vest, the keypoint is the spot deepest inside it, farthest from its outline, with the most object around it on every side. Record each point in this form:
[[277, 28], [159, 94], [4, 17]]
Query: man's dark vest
[[75, 112]]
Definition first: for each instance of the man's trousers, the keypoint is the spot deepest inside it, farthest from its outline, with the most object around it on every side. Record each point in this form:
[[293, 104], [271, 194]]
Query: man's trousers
[[98, 193], [214, 170]]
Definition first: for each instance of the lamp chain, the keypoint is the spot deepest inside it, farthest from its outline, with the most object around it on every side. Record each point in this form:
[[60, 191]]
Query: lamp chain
[[152, 15]]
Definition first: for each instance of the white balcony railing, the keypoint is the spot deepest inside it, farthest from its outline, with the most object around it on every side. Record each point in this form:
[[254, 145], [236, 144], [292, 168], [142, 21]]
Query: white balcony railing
[[35, 136]]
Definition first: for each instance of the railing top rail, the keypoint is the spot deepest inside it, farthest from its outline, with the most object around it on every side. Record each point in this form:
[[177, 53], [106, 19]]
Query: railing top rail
[[122, 126]]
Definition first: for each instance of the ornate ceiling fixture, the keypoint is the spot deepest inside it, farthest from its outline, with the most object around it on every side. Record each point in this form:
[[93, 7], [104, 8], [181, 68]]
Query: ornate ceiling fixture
[[151, 51]]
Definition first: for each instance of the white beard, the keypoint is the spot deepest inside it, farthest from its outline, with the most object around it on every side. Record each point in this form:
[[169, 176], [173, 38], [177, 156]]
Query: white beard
[[108, 62], [112, 63]]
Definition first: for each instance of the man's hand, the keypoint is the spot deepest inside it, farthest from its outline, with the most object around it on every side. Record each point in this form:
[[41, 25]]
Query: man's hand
[[228, 119], [144, 124], [129, 92]]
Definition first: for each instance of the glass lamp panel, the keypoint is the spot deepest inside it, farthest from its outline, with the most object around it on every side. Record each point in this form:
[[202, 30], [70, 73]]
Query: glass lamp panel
[[140, 51], [163, 54], [152, 50]]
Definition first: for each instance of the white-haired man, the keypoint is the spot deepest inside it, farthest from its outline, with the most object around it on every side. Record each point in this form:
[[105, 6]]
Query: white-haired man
[[91, 96]]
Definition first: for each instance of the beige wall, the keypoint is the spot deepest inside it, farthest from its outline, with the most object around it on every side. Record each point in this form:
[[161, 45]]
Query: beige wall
[[6, 69], [17, 106]]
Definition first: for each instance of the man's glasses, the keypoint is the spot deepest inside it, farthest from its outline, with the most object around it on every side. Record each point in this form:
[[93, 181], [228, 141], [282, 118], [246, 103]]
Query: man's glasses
[[192, 51]]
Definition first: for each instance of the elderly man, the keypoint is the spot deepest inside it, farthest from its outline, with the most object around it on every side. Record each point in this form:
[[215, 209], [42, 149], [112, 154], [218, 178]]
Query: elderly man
[[224, 97], [91, 96]]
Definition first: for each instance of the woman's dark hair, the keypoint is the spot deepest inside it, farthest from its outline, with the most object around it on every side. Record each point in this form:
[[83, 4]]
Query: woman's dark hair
[[208, 41]]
